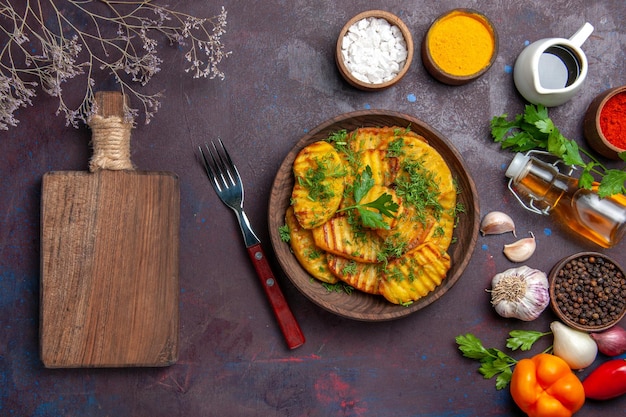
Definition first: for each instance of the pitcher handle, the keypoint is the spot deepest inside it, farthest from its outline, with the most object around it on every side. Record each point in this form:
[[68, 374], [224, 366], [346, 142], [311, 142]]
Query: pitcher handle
[[582, 34]]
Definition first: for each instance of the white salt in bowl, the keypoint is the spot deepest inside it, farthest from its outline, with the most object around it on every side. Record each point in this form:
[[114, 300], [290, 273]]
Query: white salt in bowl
[[374, 50]]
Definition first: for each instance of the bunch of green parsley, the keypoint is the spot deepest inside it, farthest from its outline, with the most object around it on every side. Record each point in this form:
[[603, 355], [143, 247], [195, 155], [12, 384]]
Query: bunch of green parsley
[[495, 362], [535, 130]]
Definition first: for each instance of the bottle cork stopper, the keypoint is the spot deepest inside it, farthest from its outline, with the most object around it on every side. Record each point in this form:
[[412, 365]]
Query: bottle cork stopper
[[516, 166]]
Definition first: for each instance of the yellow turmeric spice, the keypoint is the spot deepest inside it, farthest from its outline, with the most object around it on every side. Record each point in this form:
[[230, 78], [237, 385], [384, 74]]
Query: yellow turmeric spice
[[461, 43]]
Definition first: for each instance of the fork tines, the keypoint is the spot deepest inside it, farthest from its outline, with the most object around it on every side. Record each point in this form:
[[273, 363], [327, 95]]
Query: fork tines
[[220, 165]]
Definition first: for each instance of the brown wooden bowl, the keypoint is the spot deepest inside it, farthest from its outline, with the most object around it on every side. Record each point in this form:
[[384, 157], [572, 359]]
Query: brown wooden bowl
[[575, 319], [358, 305], [392, 19], [591, 124], [439, 73]]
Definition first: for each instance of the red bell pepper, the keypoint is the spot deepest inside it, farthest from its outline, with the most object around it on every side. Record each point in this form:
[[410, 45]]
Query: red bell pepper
[[606, 381]]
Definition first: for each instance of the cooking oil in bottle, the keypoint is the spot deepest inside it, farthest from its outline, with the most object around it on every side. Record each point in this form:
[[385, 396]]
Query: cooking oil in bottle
[[601, 220]]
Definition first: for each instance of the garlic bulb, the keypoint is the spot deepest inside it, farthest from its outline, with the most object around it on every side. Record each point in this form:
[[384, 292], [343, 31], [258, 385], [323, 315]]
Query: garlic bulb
[[576, 348], [521, 250], [496, 222], [520, 293]]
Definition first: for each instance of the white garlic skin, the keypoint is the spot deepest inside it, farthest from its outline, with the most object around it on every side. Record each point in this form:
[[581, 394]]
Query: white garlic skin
[[575, 347], [497, 222], [521, 293], [521, 250]]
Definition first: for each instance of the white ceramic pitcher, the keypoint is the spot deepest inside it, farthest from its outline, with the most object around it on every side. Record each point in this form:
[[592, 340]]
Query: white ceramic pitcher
[[551, 71]]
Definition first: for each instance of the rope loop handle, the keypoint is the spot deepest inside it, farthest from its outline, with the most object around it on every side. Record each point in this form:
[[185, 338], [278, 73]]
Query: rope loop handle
[[110, 133]]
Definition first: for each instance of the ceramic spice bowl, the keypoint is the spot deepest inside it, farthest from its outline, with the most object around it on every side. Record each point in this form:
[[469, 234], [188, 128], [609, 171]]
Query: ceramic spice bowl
[[588, 291], [374, 50], [605, 123], [460, 46]]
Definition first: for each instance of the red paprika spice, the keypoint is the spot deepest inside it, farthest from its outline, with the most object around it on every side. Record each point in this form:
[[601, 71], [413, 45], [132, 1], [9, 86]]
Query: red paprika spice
[[613, 120]]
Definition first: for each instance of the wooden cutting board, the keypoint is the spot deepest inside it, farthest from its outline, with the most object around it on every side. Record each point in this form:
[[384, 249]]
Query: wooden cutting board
[[109, 262]]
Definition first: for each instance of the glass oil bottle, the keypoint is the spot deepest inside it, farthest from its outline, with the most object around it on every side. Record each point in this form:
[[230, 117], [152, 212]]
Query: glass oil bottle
[[547, 191]]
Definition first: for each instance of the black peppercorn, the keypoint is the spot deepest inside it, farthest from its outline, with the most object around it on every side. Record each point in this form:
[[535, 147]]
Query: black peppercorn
[[589, 291]]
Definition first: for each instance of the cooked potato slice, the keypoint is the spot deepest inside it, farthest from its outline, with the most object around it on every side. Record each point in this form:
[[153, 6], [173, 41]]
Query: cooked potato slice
[[303, 246], [442, 230], [364, 277], [420, 152], [369, 137], [339, 237], [377, 137], [412, 230], [408, 231], [384, 168], [414, 275], [319, 182]]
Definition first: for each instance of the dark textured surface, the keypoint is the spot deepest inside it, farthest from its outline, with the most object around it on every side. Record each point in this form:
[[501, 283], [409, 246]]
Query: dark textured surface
[[281, 82]]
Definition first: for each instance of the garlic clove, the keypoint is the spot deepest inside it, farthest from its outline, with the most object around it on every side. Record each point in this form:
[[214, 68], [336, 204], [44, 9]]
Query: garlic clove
[[521, 250], [497, 222]]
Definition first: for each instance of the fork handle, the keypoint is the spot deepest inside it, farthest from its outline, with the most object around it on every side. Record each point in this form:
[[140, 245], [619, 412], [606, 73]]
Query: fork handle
[[286, 320]]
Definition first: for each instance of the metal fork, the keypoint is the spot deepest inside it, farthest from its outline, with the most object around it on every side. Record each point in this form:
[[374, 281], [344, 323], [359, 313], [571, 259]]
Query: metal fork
[[227, 184]]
